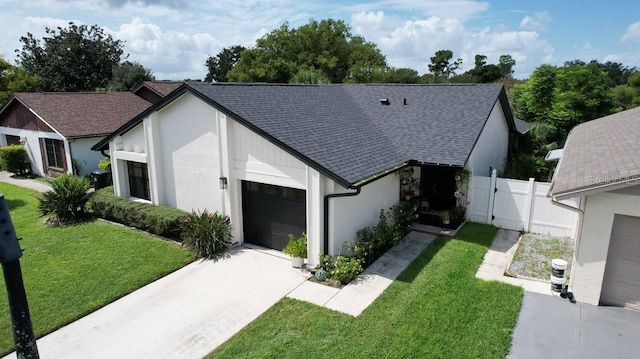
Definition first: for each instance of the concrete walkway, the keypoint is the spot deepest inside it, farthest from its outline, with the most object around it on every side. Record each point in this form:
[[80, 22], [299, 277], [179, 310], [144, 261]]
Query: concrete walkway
[[356, 296], [24, 182], [552, 327], [186, 314], [498, 258]]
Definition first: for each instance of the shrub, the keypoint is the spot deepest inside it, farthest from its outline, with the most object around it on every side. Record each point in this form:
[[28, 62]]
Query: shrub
[[160, 220], [67, 199], [341, 268], [14, 159], [105, 164], [208, 233], [296, 247]]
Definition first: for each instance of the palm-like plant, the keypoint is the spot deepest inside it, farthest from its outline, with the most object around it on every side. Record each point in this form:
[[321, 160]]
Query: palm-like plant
[[67, 199]]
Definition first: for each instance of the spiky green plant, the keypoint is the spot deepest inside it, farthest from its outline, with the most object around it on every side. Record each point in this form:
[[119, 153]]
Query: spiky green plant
[[208, 233], [67, 199]]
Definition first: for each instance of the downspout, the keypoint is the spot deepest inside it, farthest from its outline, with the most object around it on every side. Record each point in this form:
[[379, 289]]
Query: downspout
[[326, 214], [583, 204]]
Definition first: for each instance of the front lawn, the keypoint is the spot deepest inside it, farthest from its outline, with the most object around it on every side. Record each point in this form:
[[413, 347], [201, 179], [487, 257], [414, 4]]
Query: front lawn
[[72, 271], [435, 309]]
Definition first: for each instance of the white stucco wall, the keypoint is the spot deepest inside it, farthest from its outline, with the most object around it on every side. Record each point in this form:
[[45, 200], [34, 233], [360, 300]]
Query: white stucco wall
[[81, 152], [492, 147], [32, 146], [350, 214], [593, 245]]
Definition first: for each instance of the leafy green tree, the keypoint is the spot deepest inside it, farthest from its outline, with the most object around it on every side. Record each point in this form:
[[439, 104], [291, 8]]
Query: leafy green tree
[[395, 75], [441, 65], [77, 58], [15, 79], [327, 46], [128, 75], [506, 64], [220, 65], [309, 77]]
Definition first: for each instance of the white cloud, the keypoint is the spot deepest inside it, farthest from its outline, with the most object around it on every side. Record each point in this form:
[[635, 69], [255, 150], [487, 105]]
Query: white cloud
[[586, 46], [632, 33], [537, 22], [167, 53]]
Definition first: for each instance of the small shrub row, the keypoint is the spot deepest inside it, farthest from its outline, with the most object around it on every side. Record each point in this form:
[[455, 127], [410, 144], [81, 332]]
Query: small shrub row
[[161, 220], [370, 244], [14, 159]]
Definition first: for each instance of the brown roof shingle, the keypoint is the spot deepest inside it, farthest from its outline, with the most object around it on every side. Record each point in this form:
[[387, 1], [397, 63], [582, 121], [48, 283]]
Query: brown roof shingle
[[600, 153], [162, 88], [84, 114]]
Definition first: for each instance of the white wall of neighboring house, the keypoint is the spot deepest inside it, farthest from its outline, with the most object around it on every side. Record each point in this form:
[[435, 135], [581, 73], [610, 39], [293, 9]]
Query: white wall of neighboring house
[[32, 146], [592, 247], [492, 147], [81, 152]]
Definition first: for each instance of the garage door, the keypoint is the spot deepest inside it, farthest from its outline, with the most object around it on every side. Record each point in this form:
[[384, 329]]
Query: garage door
[[270, 213], [621, 285]]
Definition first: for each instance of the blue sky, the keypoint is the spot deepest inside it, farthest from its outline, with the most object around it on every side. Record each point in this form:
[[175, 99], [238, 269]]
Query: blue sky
[[173, 38]]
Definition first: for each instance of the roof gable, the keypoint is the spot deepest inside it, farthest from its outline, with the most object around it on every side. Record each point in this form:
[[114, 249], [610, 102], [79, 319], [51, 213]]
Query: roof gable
[[600, 155], [83, 114]]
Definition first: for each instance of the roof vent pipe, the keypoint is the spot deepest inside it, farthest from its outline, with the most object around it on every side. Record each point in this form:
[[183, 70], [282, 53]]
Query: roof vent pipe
[[385, 101], [405, 101]]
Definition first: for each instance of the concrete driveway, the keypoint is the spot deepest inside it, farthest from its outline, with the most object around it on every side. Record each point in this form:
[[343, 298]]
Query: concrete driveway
[[183, 315], [552, 327]]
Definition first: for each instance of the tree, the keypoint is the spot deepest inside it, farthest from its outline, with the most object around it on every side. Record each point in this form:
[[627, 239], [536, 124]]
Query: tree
[[128, 75], [15, 79], [506, 64], [220, 65], [441, 65], [77, 58], [327, 46]]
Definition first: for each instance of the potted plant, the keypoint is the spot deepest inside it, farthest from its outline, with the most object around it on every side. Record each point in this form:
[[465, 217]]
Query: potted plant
[[446, 217], [297, 249]]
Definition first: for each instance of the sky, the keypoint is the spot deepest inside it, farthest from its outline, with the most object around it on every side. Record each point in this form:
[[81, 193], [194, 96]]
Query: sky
[[173, 38]]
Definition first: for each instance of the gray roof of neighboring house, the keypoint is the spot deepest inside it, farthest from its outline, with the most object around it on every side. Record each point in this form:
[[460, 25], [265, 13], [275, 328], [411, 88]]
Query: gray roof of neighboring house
[[344, 130], [599, 155], [521, 126]]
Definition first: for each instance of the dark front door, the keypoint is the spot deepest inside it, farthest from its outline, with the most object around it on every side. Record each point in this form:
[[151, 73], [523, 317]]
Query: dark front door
[[438, 185], [270, 213]]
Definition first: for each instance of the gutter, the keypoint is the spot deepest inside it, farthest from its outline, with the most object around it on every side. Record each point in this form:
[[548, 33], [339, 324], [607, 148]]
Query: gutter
[[358, 187], [578, 238]]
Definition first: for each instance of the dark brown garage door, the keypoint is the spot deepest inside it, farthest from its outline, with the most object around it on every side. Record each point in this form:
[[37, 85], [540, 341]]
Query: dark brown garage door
[[621, 284], [270, 213]]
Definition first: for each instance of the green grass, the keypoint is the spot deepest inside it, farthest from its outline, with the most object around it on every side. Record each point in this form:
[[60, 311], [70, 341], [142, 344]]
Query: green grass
[[71, 271], [435, 309]]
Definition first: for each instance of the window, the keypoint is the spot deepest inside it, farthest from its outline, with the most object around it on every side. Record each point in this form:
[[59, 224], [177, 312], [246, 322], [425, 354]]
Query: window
[[12, 140], [55, 152], [138, 180]]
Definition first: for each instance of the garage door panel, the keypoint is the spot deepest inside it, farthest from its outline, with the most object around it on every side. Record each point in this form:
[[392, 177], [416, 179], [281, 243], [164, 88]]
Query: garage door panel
[[271, 213], [621, 282]]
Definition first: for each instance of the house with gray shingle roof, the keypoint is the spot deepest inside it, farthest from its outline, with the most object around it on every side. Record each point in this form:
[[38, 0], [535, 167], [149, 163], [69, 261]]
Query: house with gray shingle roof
[[600, 164], [57, 129], [320, 159]]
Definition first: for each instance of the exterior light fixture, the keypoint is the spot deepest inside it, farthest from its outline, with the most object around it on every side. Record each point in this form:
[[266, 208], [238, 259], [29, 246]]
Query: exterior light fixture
[[223, 183]]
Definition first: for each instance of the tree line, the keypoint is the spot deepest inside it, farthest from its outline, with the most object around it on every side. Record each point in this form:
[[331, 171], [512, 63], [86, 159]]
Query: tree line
[[553, 100]]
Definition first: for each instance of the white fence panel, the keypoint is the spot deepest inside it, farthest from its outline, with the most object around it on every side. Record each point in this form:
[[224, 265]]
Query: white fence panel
[[478, 208], [520, 205]]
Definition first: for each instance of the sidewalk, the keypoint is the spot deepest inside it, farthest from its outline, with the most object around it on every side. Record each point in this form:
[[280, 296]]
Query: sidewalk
[[23, 182], [356, 296]]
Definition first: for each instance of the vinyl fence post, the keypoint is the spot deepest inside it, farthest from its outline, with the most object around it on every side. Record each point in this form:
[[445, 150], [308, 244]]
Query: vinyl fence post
[[492, 196], [528, 209]]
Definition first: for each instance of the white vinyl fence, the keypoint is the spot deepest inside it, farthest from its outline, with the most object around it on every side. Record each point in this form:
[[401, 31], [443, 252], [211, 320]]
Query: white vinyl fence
[[519, 205]]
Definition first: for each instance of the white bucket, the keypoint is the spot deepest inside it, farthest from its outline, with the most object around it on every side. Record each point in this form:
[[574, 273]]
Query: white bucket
[[558, 266], [557, 283]]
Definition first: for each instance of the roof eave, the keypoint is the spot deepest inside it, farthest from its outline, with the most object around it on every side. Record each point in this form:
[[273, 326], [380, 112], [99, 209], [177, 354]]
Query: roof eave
[[590, 190]]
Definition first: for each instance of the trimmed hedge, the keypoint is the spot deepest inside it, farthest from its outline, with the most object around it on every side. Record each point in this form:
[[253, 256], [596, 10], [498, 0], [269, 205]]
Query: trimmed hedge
[[14, 159], [161, 220]]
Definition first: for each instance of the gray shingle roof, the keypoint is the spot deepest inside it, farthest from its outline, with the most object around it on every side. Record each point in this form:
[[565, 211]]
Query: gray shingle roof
[[521, 126], [347, 131], [599, 154]]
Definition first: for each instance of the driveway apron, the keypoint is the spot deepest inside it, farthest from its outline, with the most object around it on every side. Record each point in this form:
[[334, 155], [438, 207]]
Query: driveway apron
[[183, 315], [552, 327]]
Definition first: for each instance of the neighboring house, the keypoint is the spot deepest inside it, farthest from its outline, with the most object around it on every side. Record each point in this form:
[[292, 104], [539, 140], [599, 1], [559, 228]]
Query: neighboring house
[[154, 91], [58, 128], [600, 164], [323, 159]]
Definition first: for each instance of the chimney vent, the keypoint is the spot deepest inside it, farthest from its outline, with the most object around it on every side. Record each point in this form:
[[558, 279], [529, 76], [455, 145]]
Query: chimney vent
[[405, 101], [385, 101]]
